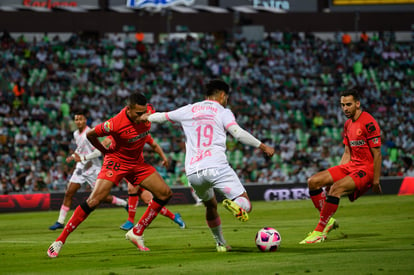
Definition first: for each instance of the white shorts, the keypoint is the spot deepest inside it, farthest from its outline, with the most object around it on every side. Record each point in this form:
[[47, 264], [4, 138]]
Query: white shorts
[[89, 176], [224, 180]]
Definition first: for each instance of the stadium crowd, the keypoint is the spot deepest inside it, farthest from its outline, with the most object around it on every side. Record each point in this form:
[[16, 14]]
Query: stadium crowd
[[284, 91]]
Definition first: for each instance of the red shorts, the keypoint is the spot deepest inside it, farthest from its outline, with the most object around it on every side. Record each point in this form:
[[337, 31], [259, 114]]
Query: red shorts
[[115, 170], [362, 175]]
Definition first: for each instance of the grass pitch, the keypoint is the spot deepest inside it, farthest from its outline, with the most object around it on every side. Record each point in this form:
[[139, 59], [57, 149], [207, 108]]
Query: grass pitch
[[375, 237]]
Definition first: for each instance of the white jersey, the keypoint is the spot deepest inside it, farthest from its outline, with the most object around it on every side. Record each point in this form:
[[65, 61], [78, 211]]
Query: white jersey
[[204, 124], [84, 147]]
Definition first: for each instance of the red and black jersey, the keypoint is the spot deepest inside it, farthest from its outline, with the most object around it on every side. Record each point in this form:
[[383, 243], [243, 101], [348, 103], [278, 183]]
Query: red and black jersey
[[128, 137], [360, 136]]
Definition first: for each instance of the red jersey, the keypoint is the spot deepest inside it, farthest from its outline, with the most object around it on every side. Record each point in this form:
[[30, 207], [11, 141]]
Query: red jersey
[[128, 137], [360, 136]]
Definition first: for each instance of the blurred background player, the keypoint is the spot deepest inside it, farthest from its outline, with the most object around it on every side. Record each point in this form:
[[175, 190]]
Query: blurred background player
[[205, 124], [86, 171], [136, 192], [123, 159], [358, 171]]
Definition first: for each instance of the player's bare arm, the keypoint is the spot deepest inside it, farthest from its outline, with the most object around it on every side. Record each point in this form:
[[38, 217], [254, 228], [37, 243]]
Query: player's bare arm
[[93, 139], [346, 157], [376, 153], [95, 154], [157, 149], [70, 158], [269, 151]]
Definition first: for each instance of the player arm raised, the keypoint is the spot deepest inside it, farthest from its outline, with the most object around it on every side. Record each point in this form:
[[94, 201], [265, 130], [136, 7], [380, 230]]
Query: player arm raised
[[376, 153], [246, 138], [346, 157]]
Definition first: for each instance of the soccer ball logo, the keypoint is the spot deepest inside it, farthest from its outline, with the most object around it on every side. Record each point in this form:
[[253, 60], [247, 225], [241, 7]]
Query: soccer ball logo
[[268, 239]]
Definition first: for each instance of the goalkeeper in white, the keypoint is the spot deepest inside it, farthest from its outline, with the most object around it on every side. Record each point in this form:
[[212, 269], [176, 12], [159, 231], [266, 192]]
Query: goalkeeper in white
[[87, 169], [205, 124]]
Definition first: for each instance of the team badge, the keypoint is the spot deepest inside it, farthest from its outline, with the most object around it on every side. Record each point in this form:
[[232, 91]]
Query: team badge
[[109, 174], [358, 132], [107, 126]]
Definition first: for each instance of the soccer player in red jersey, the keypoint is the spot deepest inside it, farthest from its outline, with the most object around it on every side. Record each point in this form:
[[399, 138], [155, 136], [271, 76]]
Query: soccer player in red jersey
[[135, 192], [359, 169], [123, 159]]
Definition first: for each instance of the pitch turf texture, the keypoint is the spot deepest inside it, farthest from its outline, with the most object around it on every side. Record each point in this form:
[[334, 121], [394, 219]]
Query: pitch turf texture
[[375, 237]]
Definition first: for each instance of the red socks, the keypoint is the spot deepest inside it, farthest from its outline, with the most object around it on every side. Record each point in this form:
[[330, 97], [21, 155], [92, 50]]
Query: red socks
[[152, 211], [79, 215], [328, 210], [167, 213], [318, 198], [132, 206]]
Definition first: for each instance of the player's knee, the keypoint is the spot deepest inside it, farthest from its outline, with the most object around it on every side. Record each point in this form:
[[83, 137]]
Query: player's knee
[[165, 195], [312, 183]]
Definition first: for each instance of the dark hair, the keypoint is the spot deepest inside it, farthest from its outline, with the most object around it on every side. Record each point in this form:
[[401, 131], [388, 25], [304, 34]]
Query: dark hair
[[137, 98], [215, 86], [79, 112], [352, 92]]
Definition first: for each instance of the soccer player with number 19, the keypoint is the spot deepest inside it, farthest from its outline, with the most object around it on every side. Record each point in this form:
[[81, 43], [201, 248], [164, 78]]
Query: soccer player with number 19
[[358, 171], [205, 124], [123, 159]]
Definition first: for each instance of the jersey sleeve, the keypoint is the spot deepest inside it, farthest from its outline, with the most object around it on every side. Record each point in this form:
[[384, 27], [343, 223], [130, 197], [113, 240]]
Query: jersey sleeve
[[150, 108], [104, 129], [149, 140], [345, 136], [373, 133], [228, 119], [179, 114]]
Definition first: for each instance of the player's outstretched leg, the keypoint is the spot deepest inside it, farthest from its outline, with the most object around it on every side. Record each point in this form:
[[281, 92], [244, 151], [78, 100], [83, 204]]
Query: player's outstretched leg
[[236, 210]]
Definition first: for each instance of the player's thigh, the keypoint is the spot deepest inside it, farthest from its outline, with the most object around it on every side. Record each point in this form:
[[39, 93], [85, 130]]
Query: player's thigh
[[100, 192], [228, 183], [72, 188], [202, 186], [320, 179], [343, 186], [157, 186]]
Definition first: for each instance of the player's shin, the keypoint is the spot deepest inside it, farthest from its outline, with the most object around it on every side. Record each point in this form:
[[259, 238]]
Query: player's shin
[[318, 198], [79, 215], [154, 207], [328, 210]]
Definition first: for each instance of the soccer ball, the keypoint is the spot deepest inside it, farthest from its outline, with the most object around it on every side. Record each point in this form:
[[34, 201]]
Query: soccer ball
[[268, 239]]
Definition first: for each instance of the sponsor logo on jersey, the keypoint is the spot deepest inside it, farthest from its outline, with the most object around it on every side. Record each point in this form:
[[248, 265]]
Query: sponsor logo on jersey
[[361, 174], [107, 126], [357, 142], [370, 127], [198, 108], [138, 137]]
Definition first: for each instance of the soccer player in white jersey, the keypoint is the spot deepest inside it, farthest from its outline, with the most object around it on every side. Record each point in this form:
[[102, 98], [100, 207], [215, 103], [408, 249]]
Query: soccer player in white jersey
[[86, 171], [205, 125]]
